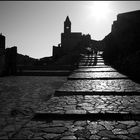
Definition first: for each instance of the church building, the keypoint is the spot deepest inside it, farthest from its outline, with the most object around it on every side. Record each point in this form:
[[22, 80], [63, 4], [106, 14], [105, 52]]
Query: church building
[[69, 40]]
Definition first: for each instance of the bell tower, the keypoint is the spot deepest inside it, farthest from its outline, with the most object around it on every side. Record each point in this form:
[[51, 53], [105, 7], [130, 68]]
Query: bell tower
[[67, 26]]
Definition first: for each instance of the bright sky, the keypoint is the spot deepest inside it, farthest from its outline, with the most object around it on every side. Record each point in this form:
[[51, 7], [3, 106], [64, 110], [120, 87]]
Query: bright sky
[[35, 26]]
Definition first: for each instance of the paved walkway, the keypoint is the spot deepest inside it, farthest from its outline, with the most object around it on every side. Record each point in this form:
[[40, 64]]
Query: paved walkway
[[96, 102]]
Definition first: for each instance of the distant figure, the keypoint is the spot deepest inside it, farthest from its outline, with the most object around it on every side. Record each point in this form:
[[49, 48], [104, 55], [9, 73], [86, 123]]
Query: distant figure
[[89, 51], [95, 51]]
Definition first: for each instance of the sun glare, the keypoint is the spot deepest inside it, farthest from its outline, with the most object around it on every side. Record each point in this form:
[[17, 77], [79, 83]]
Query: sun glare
[[100, 9]]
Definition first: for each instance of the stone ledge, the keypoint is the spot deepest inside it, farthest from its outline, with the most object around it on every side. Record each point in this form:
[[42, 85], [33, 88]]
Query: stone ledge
[[105, 93], [96, 78], [97, 75], [103, 66], [100, 86], [85, 69], [86, 116]]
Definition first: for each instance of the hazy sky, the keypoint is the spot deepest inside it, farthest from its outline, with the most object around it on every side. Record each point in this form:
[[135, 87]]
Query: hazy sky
[[35, 26]]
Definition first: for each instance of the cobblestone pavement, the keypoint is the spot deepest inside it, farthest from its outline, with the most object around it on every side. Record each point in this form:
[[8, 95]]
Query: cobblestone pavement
[[94, 69], [92, 104], [85, 116], [20, 97], [90, 63], [80, 130], [94, 86], [96, 75]]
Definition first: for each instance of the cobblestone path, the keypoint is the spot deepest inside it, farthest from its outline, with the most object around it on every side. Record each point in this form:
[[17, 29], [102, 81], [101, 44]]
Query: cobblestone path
[[96, 102]]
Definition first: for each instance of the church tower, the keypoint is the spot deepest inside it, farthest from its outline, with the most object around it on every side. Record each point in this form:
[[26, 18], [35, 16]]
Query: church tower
[[67, 26]]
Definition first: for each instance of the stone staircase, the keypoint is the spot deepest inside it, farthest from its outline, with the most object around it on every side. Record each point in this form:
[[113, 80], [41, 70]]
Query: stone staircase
[[96, 102]]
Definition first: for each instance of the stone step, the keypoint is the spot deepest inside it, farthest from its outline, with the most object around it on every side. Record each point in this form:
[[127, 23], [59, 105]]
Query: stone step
[[92, 58], [92, 55], [59, 93], [88, 107], [74, 130], [100, 61], [85, 56], [96, 75], [76, 116], [84, 129], [93, 61], [103, 66], [99, 87], [91, 64], [44, 73], [105, 69]]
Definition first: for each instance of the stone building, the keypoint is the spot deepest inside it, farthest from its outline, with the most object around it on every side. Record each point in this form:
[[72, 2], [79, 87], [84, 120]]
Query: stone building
[[69, 40], [7, 58], [11, 61], [126, 30], [2, 54], [2, 42], [122, 44], [125, 34]]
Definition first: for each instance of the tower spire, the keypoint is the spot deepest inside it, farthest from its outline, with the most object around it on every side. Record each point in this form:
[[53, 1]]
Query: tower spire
[[67, 19], [67, 25]]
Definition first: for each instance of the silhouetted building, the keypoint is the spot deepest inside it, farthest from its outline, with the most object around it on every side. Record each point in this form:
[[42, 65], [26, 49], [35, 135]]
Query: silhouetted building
[[57, 51], [125, 34], [8, 61], [69, 40], [2, 42], [126, 30], [11, 61], [122, 45], [2, 54]]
